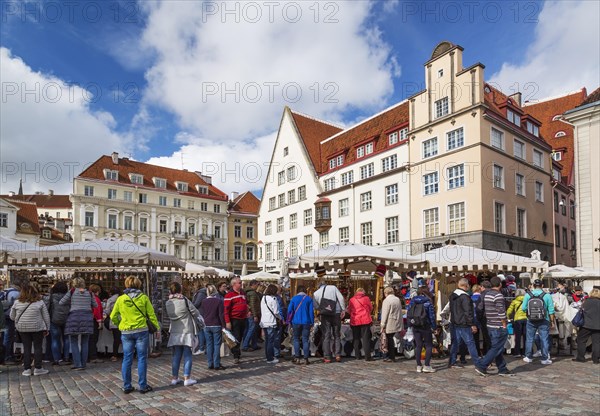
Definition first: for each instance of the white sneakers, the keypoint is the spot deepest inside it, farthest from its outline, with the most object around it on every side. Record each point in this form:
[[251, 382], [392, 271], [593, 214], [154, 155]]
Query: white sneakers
[[189, 382], [419, 369], [428, 369], [176, 381], [537, 354], [36, 372], [27, 372], [547, 362], [544, 362], [273, 361], [527, 360]]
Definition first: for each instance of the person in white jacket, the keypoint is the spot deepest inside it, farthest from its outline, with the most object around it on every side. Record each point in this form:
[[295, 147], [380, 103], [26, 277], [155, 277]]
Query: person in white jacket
[[270, 319]]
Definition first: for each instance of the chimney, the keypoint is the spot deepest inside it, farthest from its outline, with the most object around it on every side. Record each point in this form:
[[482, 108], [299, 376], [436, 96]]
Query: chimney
[[234, 195], [11, 194], [115, 158], [51, 192], [516, 97]]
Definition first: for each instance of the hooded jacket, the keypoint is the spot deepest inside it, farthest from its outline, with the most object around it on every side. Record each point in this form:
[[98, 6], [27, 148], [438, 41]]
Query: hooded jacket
[[461, 309], [516, 310], [360, 308], [428, 308], [199, 296], [253, 299], [128, 317]]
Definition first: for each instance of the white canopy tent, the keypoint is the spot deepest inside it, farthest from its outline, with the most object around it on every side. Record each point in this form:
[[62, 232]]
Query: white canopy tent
[[261, 277], [9, 246], [588, 278], [198, 270]]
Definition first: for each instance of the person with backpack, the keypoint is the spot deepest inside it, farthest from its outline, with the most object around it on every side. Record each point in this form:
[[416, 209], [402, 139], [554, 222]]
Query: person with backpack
[[420, 316], [329, 302], [59, 341], [462, 318], [519, 322], [301, 316], [539, 307], [360, 308], [10, 295]]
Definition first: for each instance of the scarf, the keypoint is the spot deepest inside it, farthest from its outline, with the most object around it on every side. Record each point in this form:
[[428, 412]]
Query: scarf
[[176, 296]]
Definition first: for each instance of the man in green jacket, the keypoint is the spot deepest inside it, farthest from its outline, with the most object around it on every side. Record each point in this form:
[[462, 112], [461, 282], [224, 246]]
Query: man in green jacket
[[253, 298]]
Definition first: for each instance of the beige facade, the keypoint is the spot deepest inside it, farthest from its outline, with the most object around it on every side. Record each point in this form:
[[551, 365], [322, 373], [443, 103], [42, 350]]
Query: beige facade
[[242, 237], [473, 177]]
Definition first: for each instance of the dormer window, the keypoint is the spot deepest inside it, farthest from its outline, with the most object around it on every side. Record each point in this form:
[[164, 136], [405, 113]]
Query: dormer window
[[368, 148], [160, 183], [336, 162], [136, 178], [360, 152], [111, 175], [556, 174], [560, 134], [513, 117], [182, 186], [46, 234], [557, 156], [202, 189], [403, 134], [532, 128], [393, 138]]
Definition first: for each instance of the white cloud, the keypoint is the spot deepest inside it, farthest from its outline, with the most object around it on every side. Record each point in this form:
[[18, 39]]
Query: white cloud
[[564, 55], [49, 133]]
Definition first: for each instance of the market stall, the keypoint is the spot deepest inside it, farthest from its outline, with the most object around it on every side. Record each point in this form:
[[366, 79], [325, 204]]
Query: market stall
[[261, 277]]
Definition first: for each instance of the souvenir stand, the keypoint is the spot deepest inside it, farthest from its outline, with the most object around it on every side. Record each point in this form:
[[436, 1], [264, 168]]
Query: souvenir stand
[[205, 275], [106, 262]]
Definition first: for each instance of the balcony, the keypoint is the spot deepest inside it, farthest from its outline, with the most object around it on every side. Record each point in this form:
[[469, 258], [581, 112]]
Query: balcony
[[206, 237], [178, 235]]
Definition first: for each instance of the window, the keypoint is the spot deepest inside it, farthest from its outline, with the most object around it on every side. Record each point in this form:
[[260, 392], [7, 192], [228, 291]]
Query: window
[[160, 183], [560, 134], [217, 254], [143, 224], [344, 207], [556, 174], [182, 186], [271, 203], [498, 177], [192, 229], [519, 149], [308, 214], [557, 236], [237, 251], [555, 201], [162, 200], [565, 238], [539, 191], [89, 219], [291, 173], [572, 209], [128, 222], [345, 235], [268, 228], [191, 252], [291, 196], [143, 198], [324, 239], [368, 148], [4, 220], [112, 175], [538, 158], [162, 248], [499, 217], [441, 107], [521, 223], [190, 204], [217, 208], [250, 252], [520, 184], [162, 226], [112, 194], [513, 117], [431, 219], [286, 151], [88, 190], [430, 147], [556, 156], [367, 171], [391, 226], [46, 234], [329, 184], [202, 189], [112, 221], [532, 128], [177, 202], [302, 193], [280, 250], [293, 221], [249, 232], [137, 179], [456, 176], [497, 139], [360, 152], [391, 194], [268, 252], [430, 183], [347, 178], [203, 206], [563, 205], [217, 231], [440, 73], [333, 163], [366, 233], [281, 178], [455, 139], [293, 247], [389, 163], [237, 231], [127, 196], [393, 138], [365, 201], [403, 134], [308, 244], [280, 224], [281, 200], [456, 218], [573, 242]]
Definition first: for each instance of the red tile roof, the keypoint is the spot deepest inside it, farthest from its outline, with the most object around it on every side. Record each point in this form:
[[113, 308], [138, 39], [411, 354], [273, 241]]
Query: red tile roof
[[27, 217], [593, 97], [373, 129], [313, 132], [246, 203], [43, 200], [545, 111], [127, 166]]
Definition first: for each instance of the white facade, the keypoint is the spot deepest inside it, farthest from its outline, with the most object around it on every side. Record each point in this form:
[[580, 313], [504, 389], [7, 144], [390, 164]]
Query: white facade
[[9, 227]]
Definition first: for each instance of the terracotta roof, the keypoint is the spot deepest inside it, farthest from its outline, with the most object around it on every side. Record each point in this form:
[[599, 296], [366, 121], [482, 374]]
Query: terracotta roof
[[43, 200], [246, 203], [313, 132], [55, 235], [545, 111], [593, 97], [27, 217], [373, 129], [127, 166]]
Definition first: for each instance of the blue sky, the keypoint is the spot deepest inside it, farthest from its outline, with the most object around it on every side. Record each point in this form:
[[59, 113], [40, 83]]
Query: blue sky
[[151, 68]]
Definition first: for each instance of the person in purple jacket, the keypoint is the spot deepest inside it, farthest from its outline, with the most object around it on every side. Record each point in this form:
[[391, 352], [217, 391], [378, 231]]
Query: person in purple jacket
[[212, 311]]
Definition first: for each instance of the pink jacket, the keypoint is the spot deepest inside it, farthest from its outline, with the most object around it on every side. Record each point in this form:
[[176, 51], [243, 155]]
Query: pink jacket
[[360, 309]]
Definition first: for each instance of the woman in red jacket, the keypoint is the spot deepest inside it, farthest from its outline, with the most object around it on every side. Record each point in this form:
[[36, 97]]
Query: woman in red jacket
[[360, 309]]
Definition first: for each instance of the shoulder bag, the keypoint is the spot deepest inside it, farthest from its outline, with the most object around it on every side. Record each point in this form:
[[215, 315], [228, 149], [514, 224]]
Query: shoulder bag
[[18, 339], [278, 320], [151, 327], [199, 324]]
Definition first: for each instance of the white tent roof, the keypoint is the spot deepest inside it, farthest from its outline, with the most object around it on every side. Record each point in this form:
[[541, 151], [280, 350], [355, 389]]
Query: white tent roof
[[560, 271], [96, 252], [466, 258], [9, 246], [261, 277], [359, 257], [198, 269]]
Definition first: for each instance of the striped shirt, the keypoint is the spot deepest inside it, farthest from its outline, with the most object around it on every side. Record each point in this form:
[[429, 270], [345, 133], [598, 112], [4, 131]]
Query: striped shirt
[[30, 317], [495, 308], [79, 300]]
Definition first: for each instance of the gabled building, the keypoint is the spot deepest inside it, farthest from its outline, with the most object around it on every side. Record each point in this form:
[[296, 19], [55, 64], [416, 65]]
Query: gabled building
[[19, 221], [170, 210], [54, 211], [242, 232]]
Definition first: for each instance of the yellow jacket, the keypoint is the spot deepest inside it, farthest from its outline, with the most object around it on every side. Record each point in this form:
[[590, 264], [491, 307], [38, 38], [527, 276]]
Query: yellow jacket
[[514, 311]]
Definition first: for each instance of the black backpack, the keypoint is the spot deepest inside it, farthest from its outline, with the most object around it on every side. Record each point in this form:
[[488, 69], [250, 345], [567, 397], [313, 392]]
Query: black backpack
[[536, 309], [417, 315]]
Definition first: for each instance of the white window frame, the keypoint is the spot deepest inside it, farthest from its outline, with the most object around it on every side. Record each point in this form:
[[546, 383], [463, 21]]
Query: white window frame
[[347, 178], [366, 201], [268, 229], [293, 246], [431, 183], [523, 153], [127, 196], [281, 178], [457, 222], [520, 182], [162, 200], [441, 107], [308, 216], [493, 143], [182, 186], [176, 202], [429, 147], [541, 159], [308, 243], [360, 152], [136, 178], [521, 232], [324, 239], [366, 233], [393, 138], [329, 184], [344, 207], [88, 190], [111, 175], [431, 222], [369, 148], [280, 226], [367, 171], [391, 194], [389, 163], [539, 191], [291, 173], [497, 181], [502, 219], [455, 139], [160, 183], [456, 176], [272, 202], [344, 234], [293, 221], [291, 196], [391, 230], [112, 193], [302, 193]]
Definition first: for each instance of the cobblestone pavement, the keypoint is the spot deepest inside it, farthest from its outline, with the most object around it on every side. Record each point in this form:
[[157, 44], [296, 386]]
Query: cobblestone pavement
[[348, 388]]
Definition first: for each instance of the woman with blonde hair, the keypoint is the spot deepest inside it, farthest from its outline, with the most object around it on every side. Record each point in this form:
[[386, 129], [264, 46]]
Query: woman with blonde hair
[[590, 328], [80, 322], [131, 313]]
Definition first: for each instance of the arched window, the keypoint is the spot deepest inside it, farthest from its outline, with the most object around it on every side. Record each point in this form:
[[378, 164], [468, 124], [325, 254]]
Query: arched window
[[556, 117], [560, 134]]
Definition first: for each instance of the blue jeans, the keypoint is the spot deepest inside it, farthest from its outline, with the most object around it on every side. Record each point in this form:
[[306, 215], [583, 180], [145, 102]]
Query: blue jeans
[[9, 339], [178, 352], [138, 342], [302, 331], [270, 343], [277, 342], [213, 337], [249, 337], [201, 341], [498, 337], [79, 357], [543, 327], [58, 339], [466, 335]]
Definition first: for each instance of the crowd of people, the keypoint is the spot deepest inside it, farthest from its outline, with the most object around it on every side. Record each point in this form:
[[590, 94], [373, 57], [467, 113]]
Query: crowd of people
[[480, 315]]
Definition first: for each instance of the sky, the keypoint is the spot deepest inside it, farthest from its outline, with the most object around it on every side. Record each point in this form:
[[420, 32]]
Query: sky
[[202, 85]]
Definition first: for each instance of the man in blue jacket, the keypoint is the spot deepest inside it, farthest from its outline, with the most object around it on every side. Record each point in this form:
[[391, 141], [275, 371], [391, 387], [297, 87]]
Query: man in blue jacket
[[302, 317]]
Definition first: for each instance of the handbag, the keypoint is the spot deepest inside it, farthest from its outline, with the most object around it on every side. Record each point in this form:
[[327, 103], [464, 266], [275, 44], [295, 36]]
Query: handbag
[[291, 315], [107, 322], [578, 320], [18, 339], [151, 327], [199, 323]]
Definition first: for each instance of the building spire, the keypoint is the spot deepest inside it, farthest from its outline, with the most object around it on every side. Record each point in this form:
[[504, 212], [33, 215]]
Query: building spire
[[21, 187]]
